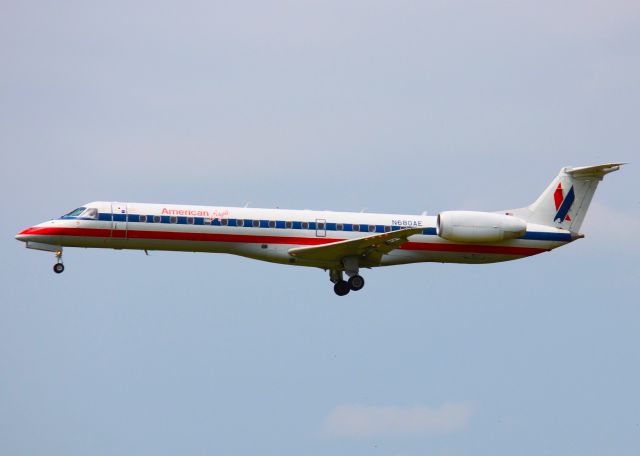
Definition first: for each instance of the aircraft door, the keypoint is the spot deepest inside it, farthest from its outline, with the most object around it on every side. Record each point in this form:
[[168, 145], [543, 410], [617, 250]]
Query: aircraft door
[[321, 228], [119, 223]]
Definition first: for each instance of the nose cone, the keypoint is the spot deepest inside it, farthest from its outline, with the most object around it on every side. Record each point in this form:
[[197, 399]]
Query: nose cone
[[24, 235]]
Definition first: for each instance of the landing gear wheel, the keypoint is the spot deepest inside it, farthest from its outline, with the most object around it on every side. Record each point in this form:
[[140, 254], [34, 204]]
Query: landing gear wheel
[[58, 268], [341, 288], [356, 282]]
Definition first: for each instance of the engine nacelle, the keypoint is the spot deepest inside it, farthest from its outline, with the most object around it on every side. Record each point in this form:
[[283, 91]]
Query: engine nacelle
[[469, 226]]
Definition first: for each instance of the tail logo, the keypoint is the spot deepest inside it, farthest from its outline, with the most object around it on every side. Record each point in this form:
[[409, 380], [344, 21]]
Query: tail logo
[[563, 203]]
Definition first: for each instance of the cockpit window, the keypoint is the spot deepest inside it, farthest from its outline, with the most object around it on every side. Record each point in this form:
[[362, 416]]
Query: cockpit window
[[92, 212], [76, 212]]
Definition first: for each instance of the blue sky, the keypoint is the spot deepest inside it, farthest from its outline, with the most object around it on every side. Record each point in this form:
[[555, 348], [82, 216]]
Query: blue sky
[[384, 106]]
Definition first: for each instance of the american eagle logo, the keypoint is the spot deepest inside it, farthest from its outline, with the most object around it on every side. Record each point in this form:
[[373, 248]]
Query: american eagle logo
[[563, 203]]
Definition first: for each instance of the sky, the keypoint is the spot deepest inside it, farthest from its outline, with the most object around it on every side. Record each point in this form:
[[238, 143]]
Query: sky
[[398, 107]]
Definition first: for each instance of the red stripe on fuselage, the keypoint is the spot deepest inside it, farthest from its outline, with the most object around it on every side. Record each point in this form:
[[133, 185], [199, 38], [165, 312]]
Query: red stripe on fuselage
[[176, 236], [472, 248], [254, 239]]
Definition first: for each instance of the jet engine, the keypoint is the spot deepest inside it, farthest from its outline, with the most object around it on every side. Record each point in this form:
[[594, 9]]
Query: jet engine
[[470, 226]]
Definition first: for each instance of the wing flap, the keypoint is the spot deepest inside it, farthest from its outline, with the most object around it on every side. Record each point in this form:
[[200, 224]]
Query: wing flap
[[370, 247]]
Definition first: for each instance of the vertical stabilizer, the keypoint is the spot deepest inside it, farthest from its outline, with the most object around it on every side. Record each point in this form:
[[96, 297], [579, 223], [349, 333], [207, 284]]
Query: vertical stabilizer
[[565, 202]]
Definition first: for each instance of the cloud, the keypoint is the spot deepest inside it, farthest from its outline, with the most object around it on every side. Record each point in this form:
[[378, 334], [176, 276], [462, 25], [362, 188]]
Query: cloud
[[368, 421]]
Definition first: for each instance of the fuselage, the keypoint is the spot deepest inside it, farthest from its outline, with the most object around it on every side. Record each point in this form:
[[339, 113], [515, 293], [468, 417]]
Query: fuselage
[[269, 234]]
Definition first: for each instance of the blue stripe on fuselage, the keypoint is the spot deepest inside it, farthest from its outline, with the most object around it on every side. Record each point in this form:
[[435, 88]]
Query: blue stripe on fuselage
[[542, 236], [296, 225]]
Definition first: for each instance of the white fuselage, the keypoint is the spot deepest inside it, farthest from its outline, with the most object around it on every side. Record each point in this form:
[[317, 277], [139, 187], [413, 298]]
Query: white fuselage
[[269, 234]]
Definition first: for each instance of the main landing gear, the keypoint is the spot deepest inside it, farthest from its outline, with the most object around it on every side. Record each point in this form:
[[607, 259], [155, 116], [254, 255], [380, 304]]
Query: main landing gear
[[58, 267], [355, 282], [342, 287]]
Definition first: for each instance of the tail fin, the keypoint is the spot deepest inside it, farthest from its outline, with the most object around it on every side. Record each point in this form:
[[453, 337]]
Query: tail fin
[[565, 201]]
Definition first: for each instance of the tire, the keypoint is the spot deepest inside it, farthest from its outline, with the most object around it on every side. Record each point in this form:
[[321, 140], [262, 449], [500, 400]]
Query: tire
[[58, 268], [356, 282], [341, 288]]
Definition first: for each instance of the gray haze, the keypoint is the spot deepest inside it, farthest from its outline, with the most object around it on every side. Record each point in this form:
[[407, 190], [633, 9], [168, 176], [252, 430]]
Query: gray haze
[[385, 106]]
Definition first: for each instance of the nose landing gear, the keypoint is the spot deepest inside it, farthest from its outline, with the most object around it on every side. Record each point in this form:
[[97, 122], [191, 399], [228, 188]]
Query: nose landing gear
[[58, 267]]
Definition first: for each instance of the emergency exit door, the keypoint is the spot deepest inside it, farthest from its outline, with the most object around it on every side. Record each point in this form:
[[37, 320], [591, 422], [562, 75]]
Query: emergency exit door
[[119, 222], [321, 228]]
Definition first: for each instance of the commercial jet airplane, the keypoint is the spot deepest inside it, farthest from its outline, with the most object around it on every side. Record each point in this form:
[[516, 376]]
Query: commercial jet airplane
[[339, 242]]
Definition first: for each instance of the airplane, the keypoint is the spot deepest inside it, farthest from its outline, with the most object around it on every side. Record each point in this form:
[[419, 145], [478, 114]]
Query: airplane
[[339, 242]]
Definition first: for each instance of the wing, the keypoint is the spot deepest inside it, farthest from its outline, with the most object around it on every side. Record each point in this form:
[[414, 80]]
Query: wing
[[370, 248]]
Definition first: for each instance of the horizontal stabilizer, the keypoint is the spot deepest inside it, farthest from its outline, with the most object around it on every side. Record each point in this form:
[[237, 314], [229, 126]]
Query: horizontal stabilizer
[[596, 171]]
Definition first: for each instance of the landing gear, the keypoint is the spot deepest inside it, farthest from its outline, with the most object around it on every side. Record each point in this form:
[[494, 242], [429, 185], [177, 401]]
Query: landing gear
[[351, 268], [341, 288], [58, 267], [356, 282]]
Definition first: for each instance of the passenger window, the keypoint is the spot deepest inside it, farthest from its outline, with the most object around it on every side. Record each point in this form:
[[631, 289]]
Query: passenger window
[[355, 227], [272, 224], [372, 228], [288, 225], [320, 226], [157, 219], [190, 220], [239, 222], [256, 223], [339, 227], [224, 222], [143, 219], [173, 219], [305, 225], [387, 228]]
